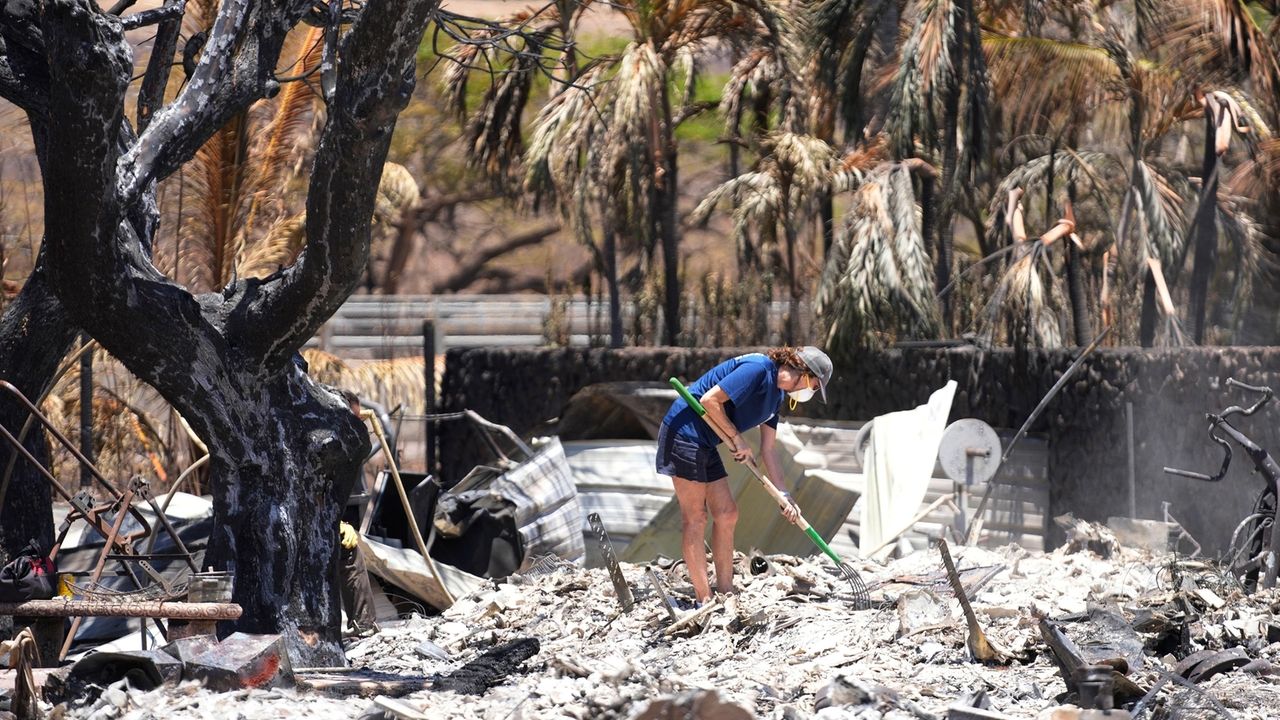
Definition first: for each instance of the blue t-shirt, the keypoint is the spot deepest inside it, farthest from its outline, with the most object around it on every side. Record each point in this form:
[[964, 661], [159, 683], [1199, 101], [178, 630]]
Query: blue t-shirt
[[750, 381]]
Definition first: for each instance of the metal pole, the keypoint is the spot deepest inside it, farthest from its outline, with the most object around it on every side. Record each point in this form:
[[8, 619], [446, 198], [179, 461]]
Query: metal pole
[[86, 413], [1133, 481], [429, 426]]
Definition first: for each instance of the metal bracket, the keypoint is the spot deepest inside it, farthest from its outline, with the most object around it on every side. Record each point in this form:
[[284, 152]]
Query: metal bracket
[[620, 586]]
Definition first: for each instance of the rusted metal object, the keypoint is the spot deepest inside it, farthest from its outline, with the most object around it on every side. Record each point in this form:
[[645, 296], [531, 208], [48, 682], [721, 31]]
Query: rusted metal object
[[62, 607], [625, 599], [1254, 555], [980, 647], [106, 516]]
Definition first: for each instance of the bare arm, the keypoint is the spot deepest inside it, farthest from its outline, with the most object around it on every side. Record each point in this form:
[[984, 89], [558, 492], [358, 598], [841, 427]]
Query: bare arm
[[714, 401], [769, 454]]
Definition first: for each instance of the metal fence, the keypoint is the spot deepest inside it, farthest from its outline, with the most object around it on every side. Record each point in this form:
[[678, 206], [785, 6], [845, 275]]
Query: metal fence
[[383, 327]]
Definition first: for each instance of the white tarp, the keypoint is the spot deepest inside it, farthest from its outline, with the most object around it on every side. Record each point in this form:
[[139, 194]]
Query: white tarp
[[898, 466]]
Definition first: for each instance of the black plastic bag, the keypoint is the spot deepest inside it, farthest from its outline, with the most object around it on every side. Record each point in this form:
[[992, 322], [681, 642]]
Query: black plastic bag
[[30, 576]]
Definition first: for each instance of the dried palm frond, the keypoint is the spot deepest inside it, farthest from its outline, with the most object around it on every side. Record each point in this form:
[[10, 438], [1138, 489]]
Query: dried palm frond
[[1097, 173], [800, 165], [1160, 207], [294, 110], [1246, 243], [925, 70], [392, 383], [278, 249], [1243, 43], [1028, 300], [215, 178], [493, 134], [397, 192], [1050, 78], [878, 280], [561, 130]]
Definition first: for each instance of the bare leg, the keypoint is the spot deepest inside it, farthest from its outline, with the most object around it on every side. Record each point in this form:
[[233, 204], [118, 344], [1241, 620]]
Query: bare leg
[[724, 516], [692, 497]]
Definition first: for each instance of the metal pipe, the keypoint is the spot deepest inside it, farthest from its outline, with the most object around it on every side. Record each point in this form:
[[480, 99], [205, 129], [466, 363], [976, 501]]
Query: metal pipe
[[86, 413], [404, 500], [65, 607], [1133, 480]]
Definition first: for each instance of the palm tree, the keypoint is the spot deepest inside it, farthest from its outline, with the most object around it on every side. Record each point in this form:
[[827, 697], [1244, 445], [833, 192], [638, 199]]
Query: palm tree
[[603, 149], [878, 280]]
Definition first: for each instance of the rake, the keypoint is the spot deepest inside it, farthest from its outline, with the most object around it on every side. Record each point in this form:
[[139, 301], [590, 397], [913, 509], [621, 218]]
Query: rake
[[861, 598]]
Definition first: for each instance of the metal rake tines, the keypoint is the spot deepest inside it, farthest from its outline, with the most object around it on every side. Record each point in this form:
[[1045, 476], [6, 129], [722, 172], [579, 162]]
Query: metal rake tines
[[861, 596]]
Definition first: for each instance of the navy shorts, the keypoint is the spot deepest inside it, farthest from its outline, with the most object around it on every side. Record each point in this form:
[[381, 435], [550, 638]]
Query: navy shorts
[[683, 458]]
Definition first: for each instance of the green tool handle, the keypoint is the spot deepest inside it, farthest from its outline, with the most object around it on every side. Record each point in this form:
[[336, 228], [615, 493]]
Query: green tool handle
[[693, 401]]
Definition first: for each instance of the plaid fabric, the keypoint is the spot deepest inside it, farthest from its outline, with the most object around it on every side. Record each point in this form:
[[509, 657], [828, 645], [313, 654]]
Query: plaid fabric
[[548, 514]]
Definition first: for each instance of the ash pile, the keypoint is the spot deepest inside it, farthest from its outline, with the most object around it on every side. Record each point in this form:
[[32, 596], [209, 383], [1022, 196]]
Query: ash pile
[[1008, 633]]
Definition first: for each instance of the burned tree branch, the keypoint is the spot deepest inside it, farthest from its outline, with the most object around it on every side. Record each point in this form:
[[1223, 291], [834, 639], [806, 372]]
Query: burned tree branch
[[374, 82], [470, 270], [171, 10], [156, 77], [236, 67]]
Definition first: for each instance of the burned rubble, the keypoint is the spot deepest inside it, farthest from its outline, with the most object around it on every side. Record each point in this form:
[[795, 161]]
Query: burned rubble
[[1174, 638]]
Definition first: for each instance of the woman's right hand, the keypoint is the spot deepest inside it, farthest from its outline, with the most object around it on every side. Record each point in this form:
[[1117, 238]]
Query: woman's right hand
[[742, 452]]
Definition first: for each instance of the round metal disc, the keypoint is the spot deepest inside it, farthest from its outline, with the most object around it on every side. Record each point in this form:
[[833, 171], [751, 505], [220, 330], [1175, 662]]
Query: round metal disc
[[965, 439]]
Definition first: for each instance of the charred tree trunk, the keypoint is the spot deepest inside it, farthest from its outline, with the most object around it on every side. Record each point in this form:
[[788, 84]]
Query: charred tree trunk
[[1205, 229], [944, 231], [610, 252], [285, 450], [35, 334], [668, 227], [1075, 284]]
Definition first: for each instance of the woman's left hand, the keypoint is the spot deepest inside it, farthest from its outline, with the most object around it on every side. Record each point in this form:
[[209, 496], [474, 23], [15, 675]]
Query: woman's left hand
[[790, 510]]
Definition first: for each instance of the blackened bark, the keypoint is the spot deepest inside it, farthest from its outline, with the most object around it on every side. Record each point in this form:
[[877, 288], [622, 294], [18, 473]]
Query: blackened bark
[[944, 231], [610, 253], [1205, 229], [1147, 321], [156, 77], [35, 334], [285, 451], [1075, 285], [668, 228]]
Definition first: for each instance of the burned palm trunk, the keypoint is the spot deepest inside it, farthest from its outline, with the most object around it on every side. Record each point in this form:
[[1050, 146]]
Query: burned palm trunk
[[1204, 226]]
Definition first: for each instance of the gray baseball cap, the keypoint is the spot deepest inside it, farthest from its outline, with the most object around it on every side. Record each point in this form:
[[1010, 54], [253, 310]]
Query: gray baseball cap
[[820, 365]]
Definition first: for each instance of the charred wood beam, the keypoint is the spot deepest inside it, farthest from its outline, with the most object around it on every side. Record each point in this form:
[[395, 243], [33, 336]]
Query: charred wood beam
[[110, 608], [373, 84]]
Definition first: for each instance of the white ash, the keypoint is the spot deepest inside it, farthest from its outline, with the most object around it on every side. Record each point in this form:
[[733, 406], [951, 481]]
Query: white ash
[[792, 634]]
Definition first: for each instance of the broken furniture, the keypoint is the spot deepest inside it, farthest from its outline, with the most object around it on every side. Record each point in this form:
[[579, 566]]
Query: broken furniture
[[1255, 546], [107, 517], [46, 618]]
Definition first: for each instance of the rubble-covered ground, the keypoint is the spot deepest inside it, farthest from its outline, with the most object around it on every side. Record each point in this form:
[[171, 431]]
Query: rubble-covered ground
[[792, 639]]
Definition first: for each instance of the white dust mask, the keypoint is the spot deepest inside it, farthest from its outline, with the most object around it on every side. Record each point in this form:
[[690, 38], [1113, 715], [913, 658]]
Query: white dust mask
[[802, 395]]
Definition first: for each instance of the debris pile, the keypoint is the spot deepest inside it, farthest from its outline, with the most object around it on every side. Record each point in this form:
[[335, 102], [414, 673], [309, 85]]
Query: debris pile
[[1174, 637]]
